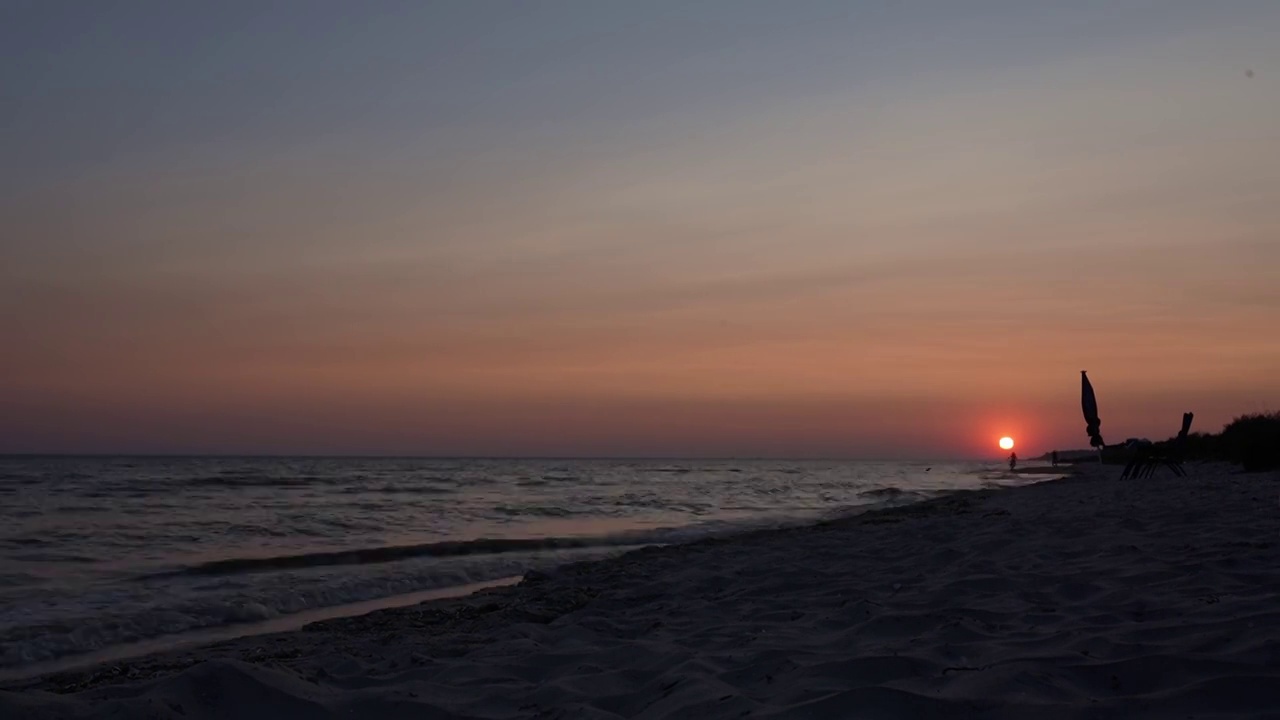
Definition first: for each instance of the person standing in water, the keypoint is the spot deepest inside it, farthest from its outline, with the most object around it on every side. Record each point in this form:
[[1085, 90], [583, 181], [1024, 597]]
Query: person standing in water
[[1013, 461]]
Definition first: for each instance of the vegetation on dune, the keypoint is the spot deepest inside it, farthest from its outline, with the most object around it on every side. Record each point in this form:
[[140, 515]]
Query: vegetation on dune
[[1251, 441]]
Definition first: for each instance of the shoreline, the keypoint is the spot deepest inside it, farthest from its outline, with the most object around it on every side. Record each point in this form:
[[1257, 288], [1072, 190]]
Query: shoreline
[[620, 541], [191, 643], [223, 545], [194, 640], [978, 601]]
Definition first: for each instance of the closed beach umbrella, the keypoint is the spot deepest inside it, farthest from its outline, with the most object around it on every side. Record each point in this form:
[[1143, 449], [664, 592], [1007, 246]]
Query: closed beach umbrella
[[1089, 404]]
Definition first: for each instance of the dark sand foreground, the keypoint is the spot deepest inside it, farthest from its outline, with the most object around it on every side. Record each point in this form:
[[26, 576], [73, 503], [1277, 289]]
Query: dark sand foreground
[[1086, 597]]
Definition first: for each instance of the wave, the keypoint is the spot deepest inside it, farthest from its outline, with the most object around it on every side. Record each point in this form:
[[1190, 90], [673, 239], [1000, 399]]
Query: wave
[[394, 489], [394, 553], [891, 493], [552, 511], [18, 579], [230, 480], [482, 546], [53, 557]]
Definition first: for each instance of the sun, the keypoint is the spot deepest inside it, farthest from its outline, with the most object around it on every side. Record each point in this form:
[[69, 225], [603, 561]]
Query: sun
[[1006, 443]]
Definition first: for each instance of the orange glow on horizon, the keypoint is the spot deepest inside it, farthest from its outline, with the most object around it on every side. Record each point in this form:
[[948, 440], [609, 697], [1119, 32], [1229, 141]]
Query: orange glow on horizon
[[902, 262]]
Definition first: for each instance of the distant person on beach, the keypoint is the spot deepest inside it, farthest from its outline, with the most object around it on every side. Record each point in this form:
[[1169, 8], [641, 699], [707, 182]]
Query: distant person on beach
[[1054, 458], [1013, 461]]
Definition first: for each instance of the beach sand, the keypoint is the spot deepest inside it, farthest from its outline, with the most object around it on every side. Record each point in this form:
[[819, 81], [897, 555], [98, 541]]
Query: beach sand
[[1085, 597]]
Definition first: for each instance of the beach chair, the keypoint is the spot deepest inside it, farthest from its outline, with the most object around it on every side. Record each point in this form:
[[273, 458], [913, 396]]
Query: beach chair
[[1146, 459]]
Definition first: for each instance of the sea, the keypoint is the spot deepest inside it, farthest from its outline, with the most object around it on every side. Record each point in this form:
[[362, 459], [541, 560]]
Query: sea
[[107, 557]]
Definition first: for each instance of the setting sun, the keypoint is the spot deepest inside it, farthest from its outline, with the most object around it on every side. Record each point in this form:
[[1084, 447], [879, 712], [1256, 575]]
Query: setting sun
[[1006, 443]]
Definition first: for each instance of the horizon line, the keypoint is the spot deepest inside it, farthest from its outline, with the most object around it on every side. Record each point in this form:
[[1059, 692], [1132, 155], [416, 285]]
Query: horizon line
[[398, 456]]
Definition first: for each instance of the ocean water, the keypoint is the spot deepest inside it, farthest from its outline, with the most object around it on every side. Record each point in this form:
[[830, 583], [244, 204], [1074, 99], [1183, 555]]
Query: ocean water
[[99, 554]]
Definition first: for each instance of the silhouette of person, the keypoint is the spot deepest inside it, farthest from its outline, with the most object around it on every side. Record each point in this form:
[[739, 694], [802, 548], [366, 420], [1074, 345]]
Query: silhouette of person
[[1013, 461], [1055, 458]]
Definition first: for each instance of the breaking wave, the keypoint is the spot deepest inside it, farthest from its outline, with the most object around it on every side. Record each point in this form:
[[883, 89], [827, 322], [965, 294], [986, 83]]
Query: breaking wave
[[393, 553]]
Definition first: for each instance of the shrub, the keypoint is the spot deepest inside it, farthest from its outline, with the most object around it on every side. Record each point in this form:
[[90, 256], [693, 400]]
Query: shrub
[[1198, 446], [1253, 441]]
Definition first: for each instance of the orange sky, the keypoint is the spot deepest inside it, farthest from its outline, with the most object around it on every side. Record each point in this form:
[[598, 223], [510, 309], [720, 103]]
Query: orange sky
[[902, 260]]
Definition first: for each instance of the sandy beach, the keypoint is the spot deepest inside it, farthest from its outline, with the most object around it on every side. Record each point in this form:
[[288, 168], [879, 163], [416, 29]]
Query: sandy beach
[[1083, 597]]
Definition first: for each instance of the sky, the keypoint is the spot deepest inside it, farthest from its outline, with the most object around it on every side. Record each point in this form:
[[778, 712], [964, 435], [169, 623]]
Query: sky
[[596, 228]]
